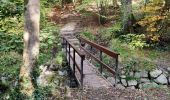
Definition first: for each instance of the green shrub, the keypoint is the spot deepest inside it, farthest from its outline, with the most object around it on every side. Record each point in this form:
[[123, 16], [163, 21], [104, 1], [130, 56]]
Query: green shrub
[[10, 63], [9, 70], [11, 42], [88, 35], [134, 40], [49, 37]]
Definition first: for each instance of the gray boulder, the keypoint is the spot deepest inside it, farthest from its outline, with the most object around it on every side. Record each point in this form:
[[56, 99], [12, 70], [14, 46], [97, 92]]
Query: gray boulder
[[124, 82], [144, 74], [161, 79], [155, 73], [149, 85], [144, 80], [132, 82]]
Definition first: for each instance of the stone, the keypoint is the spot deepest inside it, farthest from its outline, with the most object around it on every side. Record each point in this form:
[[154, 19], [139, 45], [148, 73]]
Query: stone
[[49, 73], [132, 82], [168, 69], [140, 86], [144, 80], [122, 72], [123, 76], [131, 87], [41, 67], [3, 80], [137, 75], [131, 74], [144, 74], [46, 76], [42, 81], [62, 73], [169, 79], [124, 82], [120, 86], [149, 85], [53, 67], [155, 73], [161, 79], [44, 68], [111, 80]]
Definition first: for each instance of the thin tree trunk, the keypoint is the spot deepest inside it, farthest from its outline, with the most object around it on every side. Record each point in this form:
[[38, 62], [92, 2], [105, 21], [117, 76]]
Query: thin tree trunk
[[167, 5], [127, 15], [31, 45]]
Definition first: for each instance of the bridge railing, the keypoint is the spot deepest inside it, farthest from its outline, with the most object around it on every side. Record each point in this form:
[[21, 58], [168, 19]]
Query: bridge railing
[[99, 59], [68, 45]]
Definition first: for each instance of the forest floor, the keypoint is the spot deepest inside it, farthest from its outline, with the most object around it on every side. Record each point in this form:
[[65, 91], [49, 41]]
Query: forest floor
[[62, 16]]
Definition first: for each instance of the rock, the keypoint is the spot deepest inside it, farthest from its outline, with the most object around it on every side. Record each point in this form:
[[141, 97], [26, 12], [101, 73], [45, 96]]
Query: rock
[[132, 82], [137, 75], [155, 73], [3, 80], [161, 79], [41, 67], [45, 77], [122, 72], [140, 86], [168, 69], [42, 81], [131, 74], [169, 79], [111, 80], [53, 67], [144, 74], [123, 76], [149, 85], [124, 82], [62, 73], [120, 86], [131, 87], [144, 80], [49, 73]]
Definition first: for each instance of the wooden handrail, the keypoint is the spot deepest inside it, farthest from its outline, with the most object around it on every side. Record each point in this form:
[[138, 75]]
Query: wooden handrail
[[99, 47], [80, 53], [68, 46], [99, 61]]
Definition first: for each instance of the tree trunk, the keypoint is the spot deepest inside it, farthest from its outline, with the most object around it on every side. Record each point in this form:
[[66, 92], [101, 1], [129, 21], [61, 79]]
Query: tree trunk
[[127, 16], [31, 45], [167, 5]]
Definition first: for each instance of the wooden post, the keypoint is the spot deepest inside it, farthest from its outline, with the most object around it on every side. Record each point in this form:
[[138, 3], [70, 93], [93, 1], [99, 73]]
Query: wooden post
[[66, 49], [69, 54], [116, 70], [82, 59], [74, 61], [101, 59]]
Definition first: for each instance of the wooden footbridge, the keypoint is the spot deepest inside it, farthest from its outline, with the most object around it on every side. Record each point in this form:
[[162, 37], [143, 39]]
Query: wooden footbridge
[[85, 72], [76, 51]]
